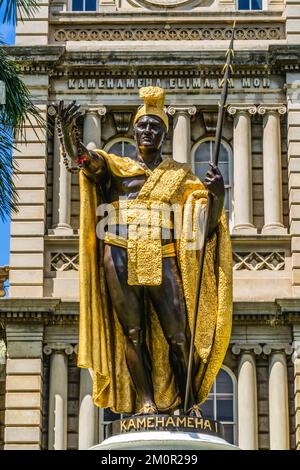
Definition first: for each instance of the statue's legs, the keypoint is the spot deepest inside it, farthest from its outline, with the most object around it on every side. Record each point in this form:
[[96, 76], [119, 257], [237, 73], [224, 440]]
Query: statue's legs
[[168, 301], [128, 302]]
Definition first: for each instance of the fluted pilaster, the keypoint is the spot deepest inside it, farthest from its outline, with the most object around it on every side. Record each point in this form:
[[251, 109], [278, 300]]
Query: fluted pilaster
[[242, 153], [182, 131]]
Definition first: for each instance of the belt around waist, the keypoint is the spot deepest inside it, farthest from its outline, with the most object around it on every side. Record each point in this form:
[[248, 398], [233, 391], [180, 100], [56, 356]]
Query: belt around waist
[[168, 250]]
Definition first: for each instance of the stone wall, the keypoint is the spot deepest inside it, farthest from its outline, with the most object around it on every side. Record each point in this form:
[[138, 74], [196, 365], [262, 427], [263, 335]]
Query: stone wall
[[34, 31], [28, 225], [293, 21]]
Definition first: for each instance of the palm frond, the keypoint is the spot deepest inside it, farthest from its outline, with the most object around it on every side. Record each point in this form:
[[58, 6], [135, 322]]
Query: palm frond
[[8, 192], [21, 8], [18, 111], [19, 107]]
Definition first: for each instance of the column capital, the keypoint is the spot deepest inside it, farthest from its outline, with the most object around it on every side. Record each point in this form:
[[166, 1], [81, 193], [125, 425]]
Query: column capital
[[296, 353], [4, 271], [181, 109], [246, 108], [237, 348], [66, 348], [3, 352], [99, 110], [271, 108], [271, 348]]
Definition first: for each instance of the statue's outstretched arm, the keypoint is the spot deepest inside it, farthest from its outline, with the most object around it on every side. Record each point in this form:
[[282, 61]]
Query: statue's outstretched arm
[[93, 163]]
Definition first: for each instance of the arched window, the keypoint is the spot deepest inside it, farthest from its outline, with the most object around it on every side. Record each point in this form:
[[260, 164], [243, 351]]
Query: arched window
[[221, 403], [202, 153], [84, 5], [121, 146]]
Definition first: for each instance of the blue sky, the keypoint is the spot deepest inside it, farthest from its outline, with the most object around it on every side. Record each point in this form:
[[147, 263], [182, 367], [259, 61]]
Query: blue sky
[[7, 35]]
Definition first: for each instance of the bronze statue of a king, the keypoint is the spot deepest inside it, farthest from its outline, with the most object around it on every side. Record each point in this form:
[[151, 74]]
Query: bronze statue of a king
[[138, 275]]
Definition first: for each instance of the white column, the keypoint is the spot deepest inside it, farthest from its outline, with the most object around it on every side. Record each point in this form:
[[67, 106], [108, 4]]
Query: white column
[[278, 396], [58, 395], [243, 211], [61, 205], [92, 126], [182, 132], [272, 168], [247, 396], [88, 413]]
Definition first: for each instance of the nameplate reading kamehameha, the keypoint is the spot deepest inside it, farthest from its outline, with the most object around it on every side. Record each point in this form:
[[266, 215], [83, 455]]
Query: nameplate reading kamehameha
[[166, 423]]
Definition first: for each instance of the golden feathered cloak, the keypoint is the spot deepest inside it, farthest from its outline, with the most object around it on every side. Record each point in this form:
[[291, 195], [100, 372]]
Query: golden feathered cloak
[[101, 346]]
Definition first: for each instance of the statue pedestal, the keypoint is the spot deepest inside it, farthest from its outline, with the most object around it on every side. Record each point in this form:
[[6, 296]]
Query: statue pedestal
[[164, 440]]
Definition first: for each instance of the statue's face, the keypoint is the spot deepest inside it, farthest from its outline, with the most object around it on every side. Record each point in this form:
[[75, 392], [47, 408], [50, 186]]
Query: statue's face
[[149, 132]]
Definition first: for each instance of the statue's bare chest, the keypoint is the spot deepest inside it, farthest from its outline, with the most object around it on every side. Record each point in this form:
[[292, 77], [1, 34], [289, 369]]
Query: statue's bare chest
[[125, 187]]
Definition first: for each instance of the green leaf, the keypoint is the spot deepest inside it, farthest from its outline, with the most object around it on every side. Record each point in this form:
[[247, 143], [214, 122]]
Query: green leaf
[[21, 8]]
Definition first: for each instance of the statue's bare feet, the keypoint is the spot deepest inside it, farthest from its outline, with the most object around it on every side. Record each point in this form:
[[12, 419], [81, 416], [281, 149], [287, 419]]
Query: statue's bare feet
[[195, 411], [148, 408]]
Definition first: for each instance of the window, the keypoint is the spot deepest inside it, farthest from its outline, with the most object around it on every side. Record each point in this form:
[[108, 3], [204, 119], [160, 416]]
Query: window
[[221, 403], [124, 147], [202, 153], [84, 5], [250, 4]]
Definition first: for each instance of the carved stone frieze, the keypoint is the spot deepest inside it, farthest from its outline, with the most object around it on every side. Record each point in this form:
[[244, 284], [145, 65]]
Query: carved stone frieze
[[167, 33]]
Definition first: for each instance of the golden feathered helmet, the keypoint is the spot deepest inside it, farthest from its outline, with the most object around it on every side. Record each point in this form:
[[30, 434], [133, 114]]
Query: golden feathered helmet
[[154, 98]]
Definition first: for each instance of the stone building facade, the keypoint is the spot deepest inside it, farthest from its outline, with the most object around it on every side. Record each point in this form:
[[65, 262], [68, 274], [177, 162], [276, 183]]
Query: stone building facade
[[100, 58]]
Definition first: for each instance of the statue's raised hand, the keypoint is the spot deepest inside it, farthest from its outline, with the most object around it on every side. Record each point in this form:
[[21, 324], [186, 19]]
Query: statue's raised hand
[[68, 114]]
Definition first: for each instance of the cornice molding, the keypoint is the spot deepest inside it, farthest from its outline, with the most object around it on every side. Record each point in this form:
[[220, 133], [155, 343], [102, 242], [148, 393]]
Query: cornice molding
[[55, 59], [49, 311]]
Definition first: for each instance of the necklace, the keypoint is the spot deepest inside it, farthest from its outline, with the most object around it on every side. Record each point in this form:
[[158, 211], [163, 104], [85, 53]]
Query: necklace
[[148, 170]]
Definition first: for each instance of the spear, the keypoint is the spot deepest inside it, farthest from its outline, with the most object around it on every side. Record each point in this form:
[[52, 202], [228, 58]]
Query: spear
[[222, 105]]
